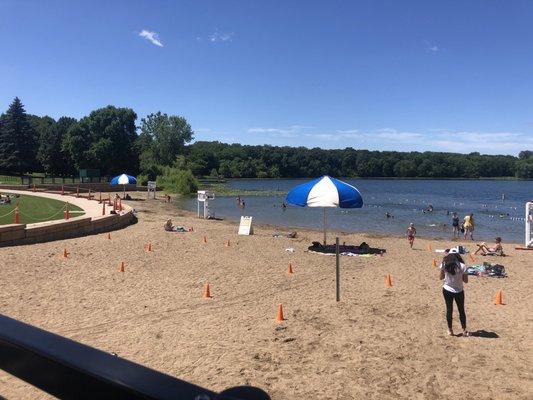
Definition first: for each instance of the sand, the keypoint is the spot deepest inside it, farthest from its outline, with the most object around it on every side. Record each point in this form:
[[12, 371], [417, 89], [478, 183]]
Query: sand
[[376, 343]]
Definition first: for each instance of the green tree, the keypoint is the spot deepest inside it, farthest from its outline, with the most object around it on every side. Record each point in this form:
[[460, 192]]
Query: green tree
[[17, 140], [169, 135], [104, 140]]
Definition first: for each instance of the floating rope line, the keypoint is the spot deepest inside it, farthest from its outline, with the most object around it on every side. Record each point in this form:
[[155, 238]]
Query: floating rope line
[[44, 219], [5, 215]]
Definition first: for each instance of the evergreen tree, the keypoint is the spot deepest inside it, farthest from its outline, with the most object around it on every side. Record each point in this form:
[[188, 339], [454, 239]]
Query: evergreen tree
[[17, 144]]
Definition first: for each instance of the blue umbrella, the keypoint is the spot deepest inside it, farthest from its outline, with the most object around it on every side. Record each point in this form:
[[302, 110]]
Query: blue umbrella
[[123, 180], [325, 192]]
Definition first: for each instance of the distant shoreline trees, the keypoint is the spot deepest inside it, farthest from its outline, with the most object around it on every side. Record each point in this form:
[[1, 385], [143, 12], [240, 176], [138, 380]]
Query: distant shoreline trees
[[108, 139]]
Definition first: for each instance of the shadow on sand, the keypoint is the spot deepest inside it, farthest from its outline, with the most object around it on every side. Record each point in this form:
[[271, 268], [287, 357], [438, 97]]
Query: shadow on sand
[[484, 334]]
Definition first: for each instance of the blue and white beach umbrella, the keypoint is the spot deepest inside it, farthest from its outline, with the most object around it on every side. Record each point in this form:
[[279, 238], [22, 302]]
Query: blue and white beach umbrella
[[123, 179], [325, 192]]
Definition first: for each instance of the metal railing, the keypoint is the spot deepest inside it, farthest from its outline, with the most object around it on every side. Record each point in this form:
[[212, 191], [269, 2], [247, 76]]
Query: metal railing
[[70, 370]]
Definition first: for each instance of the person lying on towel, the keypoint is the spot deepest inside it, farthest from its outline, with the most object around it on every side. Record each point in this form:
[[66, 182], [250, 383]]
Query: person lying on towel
[[171, 228], [497, 250]]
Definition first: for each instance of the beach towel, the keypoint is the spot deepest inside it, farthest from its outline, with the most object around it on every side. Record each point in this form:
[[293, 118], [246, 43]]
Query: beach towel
[[458, 249], [487, 269], [363, 248]]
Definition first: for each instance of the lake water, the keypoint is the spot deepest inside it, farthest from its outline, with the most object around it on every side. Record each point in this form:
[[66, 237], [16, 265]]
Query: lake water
[[404, 199]]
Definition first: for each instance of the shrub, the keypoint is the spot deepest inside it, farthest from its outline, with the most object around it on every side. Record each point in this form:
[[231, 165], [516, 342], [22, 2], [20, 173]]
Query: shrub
[[177, 180]]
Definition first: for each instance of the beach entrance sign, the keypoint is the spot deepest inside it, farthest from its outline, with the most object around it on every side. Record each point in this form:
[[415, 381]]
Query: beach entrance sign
[[245, 227], [151, 185]]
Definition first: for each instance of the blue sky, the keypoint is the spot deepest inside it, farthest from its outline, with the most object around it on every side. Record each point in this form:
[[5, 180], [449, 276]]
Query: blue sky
[[384, 75]]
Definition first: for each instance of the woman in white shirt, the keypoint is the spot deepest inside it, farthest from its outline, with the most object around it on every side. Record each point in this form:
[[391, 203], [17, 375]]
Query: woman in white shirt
[[453, 272]]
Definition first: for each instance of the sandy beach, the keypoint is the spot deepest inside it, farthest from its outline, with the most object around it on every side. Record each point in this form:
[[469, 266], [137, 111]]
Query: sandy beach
[[376, 343]]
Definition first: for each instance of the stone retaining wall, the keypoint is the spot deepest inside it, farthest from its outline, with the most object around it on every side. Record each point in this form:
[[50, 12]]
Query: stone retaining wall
[[89, 224]]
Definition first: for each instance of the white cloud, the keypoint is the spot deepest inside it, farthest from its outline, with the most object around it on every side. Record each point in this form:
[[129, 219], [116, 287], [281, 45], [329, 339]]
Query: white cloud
[[291, 131], [221, 37], [431, 47], [394, 139], [153, 37], [393, 134]]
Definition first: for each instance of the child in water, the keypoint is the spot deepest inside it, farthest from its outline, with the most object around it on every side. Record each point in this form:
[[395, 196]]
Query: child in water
[[411, 233]]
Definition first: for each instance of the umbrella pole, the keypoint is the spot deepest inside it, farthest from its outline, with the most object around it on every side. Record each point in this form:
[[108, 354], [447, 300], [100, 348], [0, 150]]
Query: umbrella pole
[[124, 192], [325, 221]]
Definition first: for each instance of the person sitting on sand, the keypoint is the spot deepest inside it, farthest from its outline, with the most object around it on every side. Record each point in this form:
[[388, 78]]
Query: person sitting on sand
[[168, 226], [497, 250], [411, 233], [453, 272]]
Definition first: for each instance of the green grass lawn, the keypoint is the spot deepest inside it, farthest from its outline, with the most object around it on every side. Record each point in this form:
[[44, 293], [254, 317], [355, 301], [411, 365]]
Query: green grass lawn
[[35, 209]]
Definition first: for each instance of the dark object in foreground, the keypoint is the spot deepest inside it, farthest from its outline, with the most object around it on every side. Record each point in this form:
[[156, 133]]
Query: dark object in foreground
[[363, 248], [69, 370]]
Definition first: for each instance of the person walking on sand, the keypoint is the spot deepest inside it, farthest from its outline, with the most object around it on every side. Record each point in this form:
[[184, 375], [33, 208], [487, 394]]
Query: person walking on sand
[[453, 272], [411, 233], [455, 225], [468, 224]]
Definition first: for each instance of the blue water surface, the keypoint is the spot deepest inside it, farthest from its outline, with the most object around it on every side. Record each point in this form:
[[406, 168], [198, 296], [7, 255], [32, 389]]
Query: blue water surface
[[404, 199]]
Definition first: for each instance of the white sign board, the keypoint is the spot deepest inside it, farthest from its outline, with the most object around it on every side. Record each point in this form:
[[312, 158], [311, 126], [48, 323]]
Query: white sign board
[[245, 227]]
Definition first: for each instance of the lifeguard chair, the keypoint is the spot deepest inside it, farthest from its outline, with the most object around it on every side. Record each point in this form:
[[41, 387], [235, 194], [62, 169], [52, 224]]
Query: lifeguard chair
[[203, 202], [529, 225]]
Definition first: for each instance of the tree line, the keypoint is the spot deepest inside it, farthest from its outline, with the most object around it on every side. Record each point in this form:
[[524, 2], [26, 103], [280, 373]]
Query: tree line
[[241, 161], [110, 140]]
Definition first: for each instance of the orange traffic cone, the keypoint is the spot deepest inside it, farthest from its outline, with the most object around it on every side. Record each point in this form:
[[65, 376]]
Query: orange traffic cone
[[434, 262], [388, 281], [65, 253], [109, 236], [17, 215], [279, 316], [149, 247], [498, 300], [290, 271], [207, 291], [205, 239], [122, 269]]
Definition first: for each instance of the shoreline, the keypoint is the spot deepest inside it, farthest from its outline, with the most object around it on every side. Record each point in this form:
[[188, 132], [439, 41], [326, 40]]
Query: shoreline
[[333, 233]]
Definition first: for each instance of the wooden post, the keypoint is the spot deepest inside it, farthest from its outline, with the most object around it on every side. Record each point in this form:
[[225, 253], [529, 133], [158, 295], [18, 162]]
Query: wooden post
[[67, 213], [17, 215], [337, 270]]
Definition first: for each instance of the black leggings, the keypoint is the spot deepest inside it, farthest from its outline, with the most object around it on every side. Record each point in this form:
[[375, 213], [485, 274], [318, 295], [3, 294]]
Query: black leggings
[[460, 301]]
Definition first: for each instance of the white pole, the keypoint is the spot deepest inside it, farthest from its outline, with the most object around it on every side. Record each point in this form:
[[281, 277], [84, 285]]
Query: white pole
[[325, 222]]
